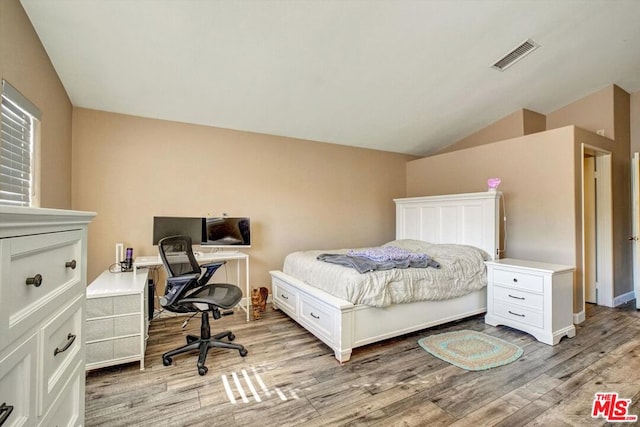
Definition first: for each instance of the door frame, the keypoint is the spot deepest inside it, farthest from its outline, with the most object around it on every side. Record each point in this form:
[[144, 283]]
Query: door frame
[[604, 225], [635, 212]]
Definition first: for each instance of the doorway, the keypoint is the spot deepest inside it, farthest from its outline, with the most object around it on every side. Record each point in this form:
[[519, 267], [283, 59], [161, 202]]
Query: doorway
[[597, 249]]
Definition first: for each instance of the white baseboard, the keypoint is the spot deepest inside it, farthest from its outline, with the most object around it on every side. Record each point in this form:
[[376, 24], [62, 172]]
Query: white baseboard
[[579, 317], [624, 298]]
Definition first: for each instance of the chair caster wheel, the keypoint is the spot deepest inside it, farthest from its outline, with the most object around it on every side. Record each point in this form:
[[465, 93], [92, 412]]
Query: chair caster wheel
[[243, 352], [231, 337], [166, 361], [202, 371]]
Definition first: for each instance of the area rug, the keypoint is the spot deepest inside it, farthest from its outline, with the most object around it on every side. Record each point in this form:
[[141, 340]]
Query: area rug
[[471, 350]]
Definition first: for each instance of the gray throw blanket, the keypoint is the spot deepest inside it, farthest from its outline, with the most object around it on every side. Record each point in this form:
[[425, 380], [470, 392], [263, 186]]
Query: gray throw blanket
[[364, 265]]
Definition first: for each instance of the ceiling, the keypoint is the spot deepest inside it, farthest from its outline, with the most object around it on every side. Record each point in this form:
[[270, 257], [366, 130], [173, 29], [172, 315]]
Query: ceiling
[[395, 75]]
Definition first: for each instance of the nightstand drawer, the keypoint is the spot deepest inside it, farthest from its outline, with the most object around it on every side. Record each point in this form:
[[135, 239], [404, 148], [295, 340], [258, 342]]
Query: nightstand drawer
[[518, 297], [520, 314], [518, 279]]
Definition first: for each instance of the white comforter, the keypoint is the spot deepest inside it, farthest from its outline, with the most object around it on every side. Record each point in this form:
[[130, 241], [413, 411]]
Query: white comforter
[[461, 271]]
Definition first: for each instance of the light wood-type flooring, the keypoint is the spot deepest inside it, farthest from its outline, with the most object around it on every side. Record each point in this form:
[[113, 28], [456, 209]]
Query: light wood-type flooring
[[290, 378]]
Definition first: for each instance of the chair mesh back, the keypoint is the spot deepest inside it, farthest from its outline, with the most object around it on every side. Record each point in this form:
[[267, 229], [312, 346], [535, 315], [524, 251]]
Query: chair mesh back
[[177, 256]]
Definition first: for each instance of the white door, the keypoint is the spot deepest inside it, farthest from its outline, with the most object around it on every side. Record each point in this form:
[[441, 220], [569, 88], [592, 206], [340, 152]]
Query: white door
[[635, 190]]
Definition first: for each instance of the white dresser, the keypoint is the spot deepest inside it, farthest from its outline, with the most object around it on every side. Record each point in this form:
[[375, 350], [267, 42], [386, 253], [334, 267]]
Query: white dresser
[[117, 318], [533, 297], [42, 284]]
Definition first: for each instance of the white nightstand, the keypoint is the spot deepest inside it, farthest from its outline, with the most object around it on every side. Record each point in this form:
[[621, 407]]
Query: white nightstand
[[533, 297]]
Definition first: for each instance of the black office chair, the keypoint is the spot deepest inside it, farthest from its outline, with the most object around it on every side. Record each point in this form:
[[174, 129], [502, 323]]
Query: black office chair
[[187, 291]]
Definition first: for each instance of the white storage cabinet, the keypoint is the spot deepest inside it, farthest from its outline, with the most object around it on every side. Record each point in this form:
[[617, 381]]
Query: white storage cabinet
[[117, 319]]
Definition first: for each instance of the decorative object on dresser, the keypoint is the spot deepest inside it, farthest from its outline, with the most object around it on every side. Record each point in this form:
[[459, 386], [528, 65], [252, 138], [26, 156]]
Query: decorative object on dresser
[[42, 283], [533, 297], [117, 319], [471, 350], [466, 219]]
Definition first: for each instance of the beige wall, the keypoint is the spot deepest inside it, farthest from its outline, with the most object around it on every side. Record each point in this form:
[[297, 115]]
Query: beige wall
[[25, 64], [593, 112], [519, 123], [539, 205], [541, 185], [634, 114], [537, 182], [299, 194], [609, 109]]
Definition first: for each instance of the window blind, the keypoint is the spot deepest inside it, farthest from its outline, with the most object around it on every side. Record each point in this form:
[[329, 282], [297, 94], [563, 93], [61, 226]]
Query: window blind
[[18, 119]]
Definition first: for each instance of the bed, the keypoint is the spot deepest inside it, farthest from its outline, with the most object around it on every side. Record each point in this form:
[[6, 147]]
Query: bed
[[464, 219]]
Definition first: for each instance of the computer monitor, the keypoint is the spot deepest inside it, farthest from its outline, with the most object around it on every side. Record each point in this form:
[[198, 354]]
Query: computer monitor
[[164, 226], [227, 232]]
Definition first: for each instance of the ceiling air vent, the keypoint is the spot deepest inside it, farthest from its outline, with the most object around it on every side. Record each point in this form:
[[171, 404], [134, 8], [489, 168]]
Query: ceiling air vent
[[515, 55]]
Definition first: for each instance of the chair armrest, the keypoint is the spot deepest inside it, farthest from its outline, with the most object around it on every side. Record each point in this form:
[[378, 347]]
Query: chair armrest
[[210, 268], [180, 280], [176, 286]]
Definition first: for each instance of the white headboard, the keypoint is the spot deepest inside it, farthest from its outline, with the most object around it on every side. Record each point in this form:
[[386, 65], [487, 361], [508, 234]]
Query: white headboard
[[469, 219]]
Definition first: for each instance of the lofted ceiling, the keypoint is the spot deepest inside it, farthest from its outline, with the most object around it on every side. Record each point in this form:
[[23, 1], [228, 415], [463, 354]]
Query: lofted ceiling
[[395, 75]]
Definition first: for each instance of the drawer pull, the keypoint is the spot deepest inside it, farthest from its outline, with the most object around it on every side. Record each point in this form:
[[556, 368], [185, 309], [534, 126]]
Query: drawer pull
[[515, 280], [5, 411], [514, 297], [71, 264], [35, 280], [516, 314], [70, 339], [284, 296], [314, 316]]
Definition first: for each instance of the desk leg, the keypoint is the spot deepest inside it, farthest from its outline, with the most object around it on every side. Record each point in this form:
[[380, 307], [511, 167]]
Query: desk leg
[[248, 295]]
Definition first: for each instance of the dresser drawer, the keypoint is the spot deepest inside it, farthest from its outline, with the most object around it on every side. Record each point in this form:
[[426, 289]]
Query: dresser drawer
[[518, 297], [18, 383], [48, 261], [61, 343], [518, 279], [68, 409], [318, 318], [285, 297], [520, 314]]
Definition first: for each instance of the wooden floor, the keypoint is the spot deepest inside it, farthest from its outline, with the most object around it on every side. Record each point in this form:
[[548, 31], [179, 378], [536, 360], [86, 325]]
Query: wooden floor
[[290, 378]]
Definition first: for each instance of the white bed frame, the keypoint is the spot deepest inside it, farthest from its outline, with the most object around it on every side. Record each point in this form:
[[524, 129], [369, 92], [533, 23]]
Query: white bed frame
[[471, 219]]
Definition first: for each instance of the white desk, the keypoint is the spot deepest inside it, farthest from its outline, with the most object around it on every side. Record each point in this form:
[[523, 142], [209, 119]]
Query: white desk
[[204, 258], [117, 319]]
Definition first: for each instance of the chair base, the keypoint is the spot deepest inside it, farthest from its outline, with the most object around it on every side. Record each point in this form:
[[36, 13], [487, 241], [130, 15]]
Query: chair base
[[203, 343]]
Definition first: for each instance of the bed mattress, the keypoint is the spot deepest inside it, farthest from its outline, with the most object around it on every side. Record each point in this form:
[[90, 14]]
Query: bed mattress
[[462, 270]]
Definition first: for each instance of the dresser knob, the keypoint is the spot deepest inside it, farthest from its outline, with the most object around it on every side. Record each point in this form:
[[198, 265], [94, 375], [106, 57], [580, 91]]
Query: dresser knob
[[515, 280], [35, 280], [71, 264]]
